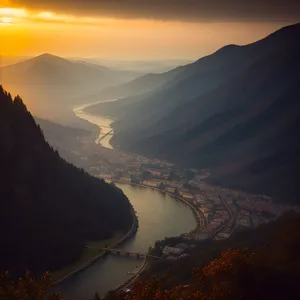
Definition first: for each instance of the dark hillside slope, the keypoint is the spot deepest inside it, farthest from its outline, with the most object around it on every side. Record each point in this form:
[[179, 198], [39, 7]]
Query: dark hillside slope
[[232, 111], [49, 208], [217, 83], [68, 141]]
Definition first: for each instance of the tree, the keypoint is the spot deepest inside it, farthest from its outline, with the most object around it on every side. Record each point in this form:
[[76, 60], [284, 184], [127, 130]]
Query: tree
[[37, 186], [177, 192], [162, 186], [26, 288], [146, 175], [97, 297]]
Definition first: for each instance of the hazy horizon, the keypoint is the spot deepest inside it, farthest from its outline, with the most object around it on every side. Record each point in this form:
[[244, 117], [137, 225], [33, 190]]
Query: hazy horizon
[[136, 30]]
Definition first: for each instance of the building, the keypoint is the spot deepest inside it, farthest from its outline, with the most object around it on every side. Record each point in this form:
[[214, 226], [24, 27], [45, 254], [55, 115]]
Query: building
[[205, 210], [200, 236], [255, 220], [224, 235], [244, 222], [175, 184], [151, 183], [125, 179], [183, 256], [105, 176], [186, 195], [171, 257], [182, 246], [172, 250], [170, 190], [154, 172]]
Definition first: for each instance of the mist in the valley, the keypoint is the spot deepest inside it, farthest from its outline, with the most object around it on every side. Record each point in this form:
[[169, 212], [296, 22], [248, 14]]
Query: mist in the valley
[[53, 87]]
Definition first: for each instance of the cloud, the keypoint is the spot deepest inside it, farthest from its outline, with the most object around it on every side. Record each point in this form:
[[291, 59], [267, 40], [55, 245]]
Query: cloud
[[10, 16], [183, 10]]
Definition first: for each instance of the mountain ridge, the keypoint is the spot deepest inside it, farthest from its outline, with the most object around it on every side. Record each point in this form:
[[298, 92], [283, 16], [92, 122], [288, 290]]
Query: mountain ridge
[[53, 86], [221, 110], [45, 197]]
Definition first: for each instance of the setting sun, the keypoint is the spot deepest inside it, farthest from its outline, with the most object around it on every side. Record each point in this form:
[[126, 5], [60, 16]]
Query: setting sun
[[5, 20], [9, 16], [13, 12]]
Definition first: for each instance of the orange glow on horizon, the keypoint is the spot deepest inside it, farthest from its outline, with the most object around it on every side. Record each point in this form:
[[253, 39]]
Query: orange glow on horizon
[[13, 12], [26, 32]]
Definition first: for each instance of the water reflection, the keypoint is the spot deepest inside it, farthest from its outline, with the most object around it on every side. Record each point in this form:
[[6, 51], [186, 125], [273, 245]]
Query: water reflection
[[104, 123], [159, 216]]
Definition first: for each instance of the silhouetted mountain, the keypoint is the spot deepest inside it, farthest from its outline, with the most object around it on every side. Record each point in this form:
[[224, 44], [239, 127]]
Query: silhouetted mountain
[[7, 60], [68, 141], [49, 208], [137, 86], [235, 111], [54, 70], [52, 84], [139, 66]]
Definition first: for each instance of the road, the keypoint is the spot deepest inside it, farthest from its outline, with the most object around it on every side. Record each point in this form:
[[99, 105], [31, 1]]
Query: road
[[231, 216]]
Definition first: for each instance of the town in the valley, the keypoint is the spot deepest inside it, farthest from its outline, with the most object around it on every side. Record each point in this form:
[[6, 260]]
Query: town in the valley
[[219, 211]]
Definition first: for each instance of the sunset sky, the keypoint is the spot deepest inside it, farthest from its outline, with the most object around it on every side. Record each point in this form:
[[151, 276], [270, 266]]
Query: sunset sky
[[137, 29]]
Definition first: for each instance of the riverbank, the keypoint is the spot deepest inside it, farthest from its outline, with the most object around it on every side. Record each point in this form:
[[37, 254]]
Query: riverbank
[[133, 279], [199, 220], [102, 122], [87, 264]]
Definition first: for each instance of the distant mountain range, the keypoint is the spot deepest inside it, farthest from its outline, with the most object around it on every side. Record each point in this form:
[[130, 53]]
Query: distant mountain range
[[138, 86], [49, 208], [6, 60], [142, 66], [51, 84], [236, 112]]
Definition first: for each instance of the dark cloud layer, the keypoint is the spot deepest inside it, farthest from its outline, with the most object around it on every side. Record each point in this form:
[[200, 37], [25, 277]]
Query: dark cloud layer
[[188, 10]]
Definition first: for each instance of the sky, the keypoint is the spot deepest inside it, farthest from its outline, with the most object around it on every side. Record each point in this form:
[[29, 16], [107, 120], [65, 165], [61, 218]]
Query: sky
[[137, 29]]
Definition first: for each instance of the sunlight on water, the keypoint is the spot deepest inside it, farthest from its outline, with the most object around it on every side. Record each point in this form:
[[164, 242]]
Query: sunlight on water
[[106, 132]]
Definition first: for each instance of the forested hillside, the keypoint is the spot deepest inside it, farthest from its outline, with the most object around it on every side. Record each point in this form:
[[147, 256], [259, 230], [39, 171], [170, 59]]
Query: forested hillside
[[49, 208], [68, 141]]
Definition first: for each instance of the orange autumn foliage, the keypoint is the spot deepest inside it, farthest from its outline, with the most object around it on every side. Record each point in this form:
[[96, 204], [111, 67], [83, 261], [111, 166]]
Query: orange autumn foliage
[[26, 288]]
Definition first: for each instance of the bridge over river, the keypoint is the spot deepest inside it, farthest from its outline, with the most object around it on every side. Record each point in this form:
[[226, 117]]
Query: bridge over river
[[101, 137], [128, 253]]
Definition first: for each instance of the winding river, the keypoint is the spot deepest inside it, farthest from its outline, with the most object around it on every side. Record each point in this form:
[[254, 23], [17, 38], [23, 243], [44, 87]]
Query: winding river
[[102, 122], [159, 216]]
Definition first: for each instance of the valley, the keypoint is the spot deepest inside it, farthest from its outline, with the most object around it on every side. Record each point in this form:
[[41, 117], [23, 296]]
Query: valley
[[220, 213], [149, 150]]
